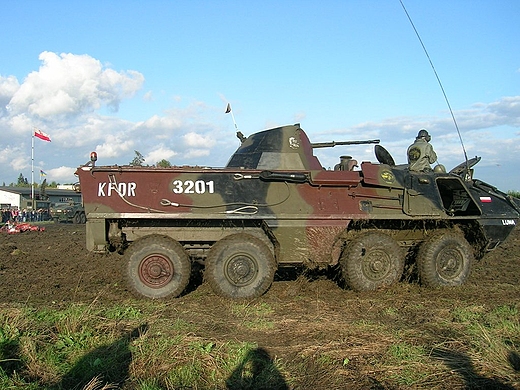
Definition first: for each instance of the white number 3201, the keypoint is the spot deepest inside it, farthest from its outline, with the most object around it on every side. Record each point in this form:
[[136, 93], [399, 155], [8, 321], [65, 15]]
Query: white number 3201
[[193, 187]]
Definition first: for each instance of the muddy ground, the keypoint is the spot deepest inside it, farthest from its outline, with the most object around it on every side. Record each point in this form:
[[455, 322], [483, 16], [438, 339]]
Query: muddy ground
[[313, 316]]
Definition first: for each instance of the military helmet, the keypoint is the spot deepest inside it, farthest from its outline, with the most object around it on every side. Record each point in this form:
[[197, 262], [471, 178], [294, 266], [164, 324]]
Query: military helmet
[[439, 168], [424, 134]]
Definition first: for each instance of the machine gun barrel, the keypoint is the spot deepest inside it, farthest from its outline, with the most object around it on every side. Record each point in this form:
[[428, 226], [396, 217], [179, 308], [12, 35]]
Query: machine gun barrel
[[334, 143]]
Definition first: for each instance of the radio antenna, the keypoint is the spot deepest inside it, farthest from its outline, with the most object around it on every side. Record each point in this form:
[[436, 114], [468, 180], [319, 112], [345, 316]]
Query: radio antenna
[[439, 81]]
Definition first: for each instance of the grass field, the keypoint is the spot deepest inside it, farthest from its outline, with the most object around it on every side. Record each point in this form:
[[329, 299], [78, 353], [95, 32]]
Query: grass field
[[154, 345], [68, 321]]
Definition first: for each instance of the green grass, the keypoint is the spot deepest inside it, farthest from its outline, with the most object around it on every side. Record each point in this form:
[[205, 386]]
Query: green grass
[[66, 347], [493, 335], [254, 315]]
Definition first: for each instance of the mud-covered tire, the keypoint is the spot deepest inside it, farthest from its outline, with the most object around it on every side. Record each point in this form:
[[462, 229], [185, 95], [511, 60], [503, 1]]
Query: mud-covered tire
[[157, 267], [82, 218], [76, 219], [371, 261], [444, 259], [240, 266]]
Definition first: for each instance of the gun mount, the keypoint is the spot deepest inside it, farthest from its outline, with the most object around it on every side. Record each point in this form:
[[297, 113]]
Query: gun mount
[[331, 144]]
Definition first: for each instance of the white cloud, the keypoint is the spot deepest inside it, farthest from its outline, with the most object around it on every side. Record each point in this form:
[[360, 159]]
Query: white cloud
[[114, 146], [193, 139], [19, 163], [8, 87], [196, 153], [148, 96], [18, 125], [15, 158], [159, 123], [60, 175], [508, 108], [159, 154], [71, 84], [91, 130]]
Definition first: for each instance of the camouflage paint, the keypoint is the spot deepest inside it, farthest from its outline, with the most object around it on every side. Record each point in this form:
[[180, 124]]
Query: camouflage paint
[[276, 189]]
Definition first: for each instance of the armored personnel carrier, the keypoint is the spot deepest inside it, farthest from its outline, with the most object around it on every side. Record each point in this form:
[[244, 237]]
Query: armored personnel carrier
[[68, 212], [274, 205]]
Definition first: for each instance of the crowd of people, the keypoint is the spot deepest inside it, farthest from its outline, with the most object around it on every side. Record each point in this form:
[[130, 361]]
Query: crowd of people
[[16, 215]]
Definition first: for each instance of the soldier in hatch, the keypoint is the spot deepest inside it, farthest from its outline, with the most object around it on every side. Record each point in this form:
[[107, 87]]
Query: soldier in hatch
[[420, 153]]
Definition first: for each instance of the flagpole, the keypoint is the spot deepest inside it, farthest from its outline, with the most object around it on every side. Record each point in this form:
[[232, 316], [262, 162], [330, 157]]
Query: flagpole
[[234, 122], [32, 169], [239, 133]]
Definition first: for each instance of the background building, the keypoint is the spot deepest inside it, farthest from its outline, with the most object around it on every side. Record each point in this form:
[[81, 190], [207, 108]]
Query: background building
[[20, 197]]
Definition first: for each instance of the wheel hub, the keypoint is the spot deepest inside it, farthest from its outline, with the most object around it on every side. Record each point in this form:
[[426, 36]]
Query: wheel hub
[[449, 263], [376, 264], [156, 271], [240, 270]]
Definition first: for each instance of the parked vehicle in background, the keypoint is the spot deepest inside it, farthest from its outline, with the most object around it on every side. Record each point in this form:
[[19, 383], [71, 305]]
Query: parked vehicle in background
[[68, 212]]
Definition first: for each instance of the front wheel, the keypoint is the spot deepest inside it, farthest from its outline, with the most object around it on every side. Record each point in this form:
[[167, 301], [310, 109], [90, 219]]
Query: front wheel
[[157, 267], [371, 261], [445, 259], [240, 266]]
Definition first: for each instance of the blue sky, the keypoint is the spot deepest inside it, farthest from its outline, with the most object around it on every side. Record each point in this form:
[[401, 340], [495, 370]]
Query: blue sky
[[155, 76]]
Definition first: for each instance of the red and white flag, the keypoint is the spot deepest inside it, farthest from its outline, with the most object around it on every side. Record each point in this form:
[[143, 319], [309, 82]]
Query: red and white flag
[[41, 135]]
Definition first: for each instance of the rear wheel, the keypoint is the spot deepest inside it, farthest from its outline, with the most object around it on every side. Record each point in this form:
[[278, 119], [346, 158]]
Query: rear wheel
[[445, 259], [371, 261], [240, 266], [158, 267]]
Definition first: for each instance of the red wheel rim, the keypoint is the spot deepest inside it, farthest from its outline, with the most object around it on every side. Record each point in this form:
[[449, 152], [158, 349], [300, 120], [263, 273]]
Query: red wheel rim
[[156, 271]]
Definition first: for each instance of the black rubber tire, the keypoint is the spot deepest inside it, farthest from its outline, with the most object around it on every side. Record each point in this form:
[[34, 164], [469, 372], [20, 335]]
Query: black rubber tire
[[444, 259], [82, 218], [240, 266], [76, 219], [371, 261], [157, 267]]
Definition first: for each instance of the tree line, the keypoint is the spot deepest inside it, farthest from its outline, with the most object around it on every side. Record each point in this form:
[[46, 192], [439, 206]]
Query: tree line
[[137, 161], [24, 182]]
